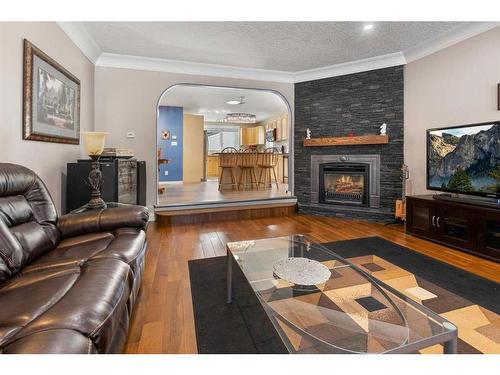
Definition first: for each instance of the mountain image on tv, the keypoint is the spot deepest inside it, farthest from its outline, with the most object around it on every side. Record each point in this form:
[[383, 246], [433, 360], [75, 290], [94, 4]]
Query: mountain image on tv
[[465, 159]]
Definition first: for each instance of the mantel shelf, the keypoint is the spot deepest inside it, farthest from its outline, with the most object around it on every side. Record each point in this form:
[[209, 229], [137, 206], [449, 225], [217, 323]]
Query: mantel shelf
[[346, 141]]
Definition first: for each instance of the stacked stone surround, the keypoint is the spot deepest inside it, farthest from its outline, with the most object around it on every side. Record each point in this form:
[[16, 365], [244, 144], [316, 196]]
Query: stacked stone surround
[[338, 106]]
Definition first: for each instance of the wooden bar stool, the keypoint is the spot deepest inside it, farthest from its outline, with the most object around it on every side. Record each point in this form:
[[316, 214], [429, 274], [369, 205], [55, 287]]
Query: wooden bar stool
[[247, 163], [228, 160], [268, 162]]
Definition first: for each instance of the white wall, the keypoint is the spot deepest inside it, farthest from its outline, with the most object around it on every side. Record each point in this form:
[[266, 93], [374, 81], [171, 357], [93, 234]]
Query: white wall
[[48, 160], [126, 100], [455, 86]]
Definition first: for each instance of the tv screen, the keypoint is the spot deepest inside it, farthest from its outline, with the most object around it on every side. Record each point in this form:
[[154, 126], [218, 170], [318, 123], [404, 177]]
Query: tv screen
[[465, 159]]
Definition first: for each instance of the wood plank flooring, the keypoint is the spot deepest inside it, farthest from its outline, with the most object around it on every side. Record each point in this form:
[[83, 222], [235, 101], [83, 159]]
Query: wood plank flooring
[[163, 319]]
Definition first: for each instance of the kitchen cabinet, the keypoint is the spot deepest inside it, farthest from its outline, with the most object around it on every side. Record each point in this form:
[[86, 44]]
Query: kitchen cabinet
[[213, 166], [281, 126], [252, 136]]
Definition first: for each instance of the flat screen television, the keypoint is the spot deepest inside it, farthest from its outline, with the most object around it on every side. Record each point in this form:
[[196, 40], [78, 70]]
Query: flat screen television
[[465, 159]]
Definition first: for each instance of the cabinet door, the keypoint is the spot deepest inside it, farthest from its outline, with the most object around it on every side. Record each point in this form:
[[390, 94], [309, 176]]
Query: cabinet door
[[261, 135], [455, 225], [254, 136], [284, 128], [489, 237], [420, 217], [245, 136]]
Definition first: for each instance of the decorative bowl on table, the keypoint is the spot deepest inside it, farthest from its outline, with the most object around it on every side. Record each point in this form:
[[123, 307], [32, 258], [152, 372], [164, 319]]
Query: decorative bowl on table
[[303, 272]]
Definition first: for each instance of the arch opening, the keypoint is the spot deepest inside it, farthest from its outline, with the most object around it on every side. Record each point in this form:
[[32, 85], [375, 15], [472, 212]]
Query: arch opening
[[196, 126]]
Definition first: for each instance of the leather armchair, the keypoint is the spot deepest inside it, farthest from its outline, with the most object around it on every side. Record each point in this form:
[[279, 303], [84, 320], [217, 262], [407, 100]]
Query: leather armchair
[[96, 221], [67, 284]]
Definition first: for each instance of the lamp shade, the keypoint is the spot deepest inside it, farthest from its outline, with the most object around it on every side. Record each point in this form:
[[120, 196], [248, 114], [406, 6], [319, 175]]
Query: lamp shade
[[94, 142]]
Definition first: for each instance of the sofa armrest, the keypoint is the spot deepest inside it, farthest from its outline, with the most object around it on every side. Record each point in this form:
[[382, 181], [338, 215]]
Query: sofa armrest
[[101, 220]]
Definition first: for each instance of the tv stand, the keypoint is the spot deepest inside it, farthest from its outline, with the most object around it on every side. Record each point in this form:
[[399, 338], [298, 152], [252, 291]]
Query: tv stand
[[454, 222], [485, 202]]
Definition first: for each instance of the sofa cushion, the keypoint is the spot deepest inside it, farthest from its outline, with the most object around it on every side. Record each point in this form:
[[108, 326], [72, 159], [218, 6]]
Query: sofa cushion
[[125, 244], [27, 219], [56, 341], [88, 297]]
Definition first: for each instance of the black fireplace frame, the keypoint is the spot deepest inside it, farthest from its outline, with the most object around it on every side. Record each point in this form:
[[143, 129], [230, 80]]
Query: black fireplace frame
[[347, 166]]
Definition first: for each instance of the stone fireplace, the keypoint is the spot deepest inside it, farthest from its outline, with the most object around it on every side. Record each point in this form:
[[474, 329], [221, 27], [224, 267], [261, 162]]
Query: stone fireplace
[[338, 106]]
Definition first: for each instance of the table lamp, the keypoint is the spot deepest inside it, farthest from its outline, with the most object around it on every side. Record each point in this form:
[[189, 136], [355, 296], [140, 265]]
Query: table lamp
[[94, 146]]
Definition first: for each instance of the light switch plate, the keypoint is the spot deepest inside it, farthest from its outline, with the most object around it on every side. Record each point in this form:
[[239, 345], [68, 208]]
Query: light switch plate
[[130, 135]]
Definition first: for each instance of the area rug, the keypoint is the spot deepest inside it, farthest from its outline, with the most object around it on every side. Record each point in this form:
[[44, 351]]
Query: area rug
[[471, 302]]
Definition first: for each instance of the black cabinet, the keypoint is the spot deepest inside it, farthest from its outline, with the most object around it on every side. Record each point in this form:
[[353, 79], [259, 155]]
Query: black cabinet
[[420, 217], [489, 239], [467, 227], [124, 181]]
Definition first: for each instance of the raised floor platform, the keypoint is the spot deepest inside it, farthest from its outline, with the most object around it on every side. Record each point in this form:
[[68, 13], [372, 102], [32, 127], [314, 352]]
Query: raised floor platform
[[213, 212]]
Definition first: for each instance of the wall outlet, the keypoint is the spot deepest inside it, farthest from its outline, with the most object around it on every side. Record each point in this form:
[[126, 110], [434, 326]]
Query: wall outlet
[[166, 173], [130, 135]]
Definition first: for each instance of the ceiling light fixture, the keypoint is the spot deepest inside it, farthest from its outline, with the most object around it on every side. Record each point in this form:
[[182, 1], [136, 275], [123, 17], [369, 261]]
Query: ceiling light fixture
[[240, 100], [239, 118], [368, 26]]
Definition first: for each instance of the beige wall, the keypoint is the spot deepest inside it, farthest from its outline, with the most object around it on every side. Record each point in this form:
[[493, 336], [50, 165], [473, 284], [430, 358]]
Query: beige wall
[[46, 159], [192, 151], [126, 100], [455, 86]]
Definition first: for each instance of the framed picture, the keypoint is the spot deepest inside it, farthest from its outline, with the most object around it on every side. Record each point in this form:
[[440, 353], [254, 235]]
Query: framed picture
[[51, 99]]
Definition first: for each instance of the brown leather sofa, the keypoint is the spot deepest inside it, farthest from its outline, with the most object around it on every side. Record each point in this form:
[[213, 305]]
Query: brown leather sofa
[[67, 284]]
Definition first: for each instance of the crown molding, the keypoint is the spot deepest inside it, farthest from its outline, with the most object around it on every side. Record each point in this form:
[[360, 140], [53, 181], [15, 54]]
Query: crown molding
[[112, 60], [448, 39], [372, 63], [82, 39]]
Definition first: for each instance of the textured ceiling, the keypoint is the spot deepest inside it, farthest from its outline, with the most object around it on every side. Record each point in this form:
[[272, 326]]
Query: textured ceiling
[[211, 101], [284, 46]]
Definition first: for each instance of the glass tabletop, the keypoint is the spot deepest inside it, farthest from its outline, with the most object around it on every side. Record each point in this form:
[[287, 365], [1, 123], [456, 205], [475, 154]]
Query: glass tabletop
[[349, 311]]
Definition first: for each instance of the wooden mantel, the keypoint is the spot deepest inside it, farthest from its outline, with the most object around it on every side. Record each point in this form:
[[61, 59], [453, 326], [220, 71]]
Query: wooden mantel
[[346, 141]]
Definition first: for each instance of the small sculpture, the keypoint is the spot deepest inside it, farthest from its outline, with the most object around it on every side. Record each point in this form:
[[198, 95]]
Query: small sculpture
[[308, 133], [383, 129]]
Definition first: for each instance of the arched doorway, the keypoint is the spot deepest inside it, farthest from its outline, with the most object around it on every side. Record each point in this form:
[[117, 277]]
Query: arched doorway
[[196, 122]]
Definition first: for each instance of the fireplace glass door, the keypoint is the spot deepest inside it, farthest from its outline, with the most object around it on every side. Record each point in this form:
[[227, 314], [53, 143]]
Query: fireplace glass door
[[342, 183]]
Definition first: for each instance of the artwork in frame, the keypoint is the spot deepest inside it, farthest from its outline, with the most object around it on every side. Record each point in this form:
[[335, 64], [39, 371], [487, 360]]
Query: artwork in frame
[[51, 99]]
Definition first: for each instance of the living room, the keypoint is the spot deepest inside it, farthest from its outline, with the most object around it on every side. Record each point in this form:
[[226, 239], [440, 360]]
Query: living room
[[286, 185]]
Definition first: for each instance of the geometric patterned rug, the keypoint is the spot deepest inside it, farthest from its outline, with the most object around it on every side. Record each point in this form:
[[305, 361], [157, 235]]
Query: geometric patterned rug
[[471, 302]]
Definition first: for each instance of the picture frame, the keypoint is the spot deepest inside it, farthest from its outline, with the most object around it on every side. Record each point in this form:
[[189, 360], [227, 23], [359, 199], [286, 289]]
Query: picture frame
[[51, 99], [498, 94]]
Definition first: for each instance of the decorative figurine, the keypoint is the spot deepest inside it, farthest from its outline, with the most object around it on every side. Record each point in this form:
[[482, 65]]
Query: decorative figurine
[[383, 129], [308, 133]]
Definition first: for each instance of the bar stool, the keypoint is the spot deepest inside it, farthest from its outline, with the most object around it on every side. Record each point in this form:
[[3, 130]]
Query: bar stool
[[228, 160], [247, 163], [268, 162]]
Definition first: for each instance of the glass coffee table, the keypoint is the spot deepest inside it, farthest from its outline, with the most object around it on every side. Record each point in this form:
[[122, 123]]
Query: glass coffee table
[[349, 311]]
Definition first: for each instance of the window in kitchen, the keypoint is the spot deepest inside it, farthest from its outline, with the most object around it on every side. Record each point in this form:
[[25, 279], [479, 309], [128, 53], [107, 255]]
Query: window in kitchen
[[220, 139]]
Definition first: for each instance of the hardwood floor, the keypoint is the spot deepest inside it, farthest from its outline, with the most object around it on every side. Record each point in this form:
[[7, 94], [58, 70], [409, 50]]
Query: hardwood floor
[[163, 320]]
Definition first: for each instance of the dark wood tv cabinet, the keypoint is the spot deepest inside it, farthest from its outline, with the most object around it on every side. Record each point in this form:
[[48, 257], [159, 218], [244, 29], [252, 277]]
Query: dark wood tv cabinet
[[467, 227]]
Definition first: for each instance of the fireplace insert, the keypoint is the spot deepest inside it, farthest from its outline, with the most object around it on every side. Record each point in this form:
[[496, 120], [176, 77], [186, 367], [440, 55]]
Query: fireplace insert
[[344, 183]]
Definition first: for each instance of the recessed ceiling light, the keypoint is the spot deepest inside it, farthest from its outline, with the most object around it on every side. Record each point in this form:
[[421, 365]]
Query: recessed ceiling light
[[368, 26], [240, 100]]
